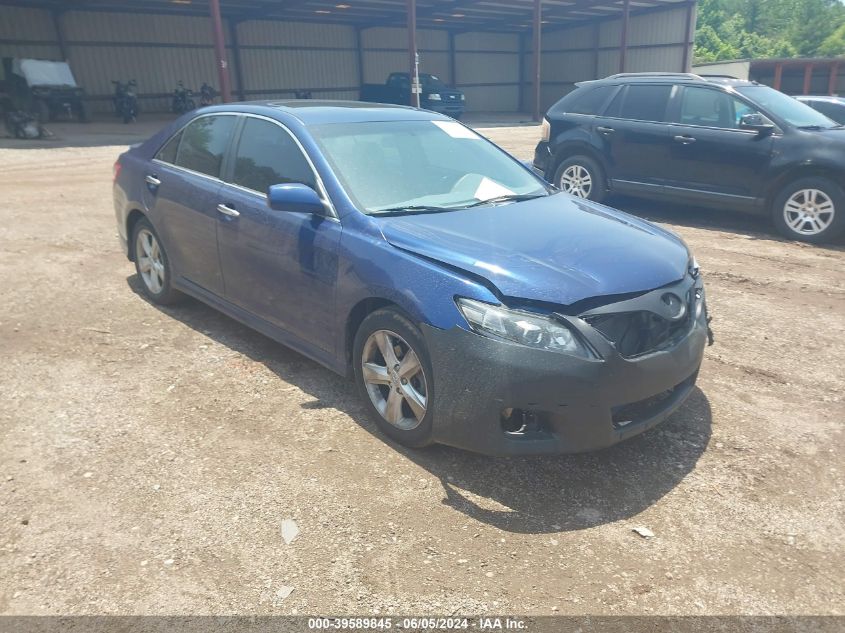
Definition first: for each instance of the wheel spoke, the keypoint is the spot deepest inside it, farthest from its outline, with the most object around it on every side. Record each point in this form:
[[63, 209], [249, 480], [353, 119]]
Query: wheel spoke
[[385, 346], [393, 411], [144, 264], [415, 400], [376, 374], [409, 365]]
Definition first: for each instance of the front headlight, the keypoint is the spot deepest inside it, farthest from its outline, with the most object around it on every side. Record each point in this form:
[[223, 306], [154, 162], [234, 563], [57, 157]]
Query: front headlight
[[463, 97], [523, 328], [434, 97]]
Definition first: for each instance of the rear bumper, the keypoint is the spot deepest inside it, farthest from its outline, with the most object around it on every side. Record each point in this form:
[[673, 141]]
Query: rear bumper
[[567, 404]]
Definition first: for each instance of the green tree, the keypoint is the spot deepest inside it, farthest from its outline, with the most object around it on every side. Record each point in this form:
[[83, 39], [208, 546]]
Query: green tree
[[731, 29]]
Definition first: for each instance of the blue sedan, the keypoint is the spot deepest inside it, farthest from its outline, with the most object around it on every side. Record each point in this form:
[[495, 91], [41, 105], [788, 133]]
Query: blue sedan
[[473, 304]]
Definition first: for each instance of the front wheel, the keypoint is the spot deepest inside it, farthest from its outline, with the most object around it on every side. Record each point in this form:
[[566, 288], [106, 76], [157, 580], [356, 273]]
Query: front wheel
[[395, 378], [152, 264], [810, 210], [582, 177]]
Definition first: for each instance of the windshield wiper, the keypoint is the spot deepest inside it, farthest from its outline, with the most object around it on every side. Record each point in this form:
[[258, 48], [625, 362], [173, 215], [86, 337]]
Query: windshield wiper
[[411, 208], [511, 197]]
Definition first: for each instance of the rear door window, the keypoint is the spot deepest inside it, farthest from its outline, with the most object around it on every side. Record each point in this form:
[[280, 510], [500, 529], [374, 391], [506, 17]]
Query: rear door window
[[267, 155], [641, 103], [204, 143]]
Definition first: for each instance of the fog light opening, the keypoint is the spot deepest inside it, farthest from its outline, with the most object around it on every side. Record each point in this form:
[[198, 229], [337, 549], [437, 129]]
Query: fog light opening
[[520, 423]]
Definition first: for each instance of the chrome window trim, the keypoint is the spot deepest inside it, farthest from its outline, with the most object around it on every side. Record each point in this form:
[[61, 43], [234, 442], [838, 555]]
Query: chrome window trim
[[324, 196]]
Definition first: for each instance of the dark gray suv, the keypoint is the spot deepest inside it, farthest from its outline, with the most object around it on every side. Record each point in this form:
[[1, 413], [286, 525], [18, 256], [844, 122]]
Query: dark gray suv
[[710, 141]]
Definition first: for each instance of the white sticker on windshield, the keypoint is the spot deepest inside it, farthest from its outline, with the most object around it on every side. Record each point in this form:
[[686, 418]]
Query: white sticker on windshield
[[488, 189], [456, 130]]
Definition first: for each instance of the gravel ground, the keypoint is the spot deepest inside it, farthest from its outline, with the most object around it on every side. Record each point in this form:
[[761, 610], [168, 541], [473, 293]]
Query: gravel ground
[[149, 456]]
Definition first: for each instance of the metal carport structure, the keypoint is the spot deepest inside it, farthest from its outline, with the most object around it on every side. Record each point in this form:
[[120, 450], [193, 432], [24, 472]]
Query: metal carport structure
[[504, 54]]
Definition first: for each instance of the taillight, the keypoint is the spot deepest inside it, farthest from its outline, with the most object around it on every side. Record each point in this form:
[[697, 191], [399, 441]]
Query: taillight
[[116, 171]]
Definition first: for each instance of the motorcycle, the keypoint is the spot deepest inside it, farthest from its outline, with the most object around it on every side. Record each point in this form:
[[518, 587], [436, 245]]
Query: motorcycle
[[207, 95], [23, 125], [182, 100], [126, 100]]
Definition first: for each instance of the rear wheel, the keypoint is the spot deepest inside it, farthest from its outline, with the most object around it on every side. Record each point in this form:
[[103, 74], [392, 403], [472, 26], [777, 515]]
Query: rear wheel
[[152, 264], [581, 177], [810, 210], [394, 375]]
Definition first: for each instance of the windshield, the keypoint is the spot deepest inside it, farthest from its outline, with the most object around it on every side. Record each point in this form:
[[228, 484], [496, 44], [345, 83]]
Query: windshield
[[790, 110], [415, 165], [430, 81]]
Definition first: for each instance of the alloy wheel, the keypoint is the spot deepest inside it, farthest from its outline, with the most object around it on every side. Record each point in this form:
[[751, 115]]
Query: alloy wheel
[[150, 261], [577, 181], [394, 379], [808, 211]]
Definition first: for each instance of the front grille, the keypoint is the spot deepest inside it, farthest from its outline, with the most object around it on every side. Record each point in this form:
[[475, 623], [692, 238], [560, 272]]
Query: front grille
[[642, 332]]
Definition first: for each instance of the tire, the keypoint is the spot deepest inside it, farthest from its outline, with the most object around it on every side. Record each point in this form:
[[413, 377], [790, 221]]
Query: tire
[[159, 291], [589, 177], [42, 108], [410, 430], [82, 112], [810, 210]]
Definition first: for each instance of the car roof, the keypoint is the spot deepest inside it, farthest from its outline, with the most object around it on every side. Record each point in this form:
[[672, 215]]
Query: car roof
[[827, 98], [317, 112], [627, 78]]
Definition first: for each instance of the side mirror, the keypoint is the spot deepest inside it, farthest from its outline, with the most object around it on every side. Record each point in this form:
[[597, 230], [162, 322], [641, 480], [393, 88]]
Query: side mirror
[[756, 122], [295, 197]]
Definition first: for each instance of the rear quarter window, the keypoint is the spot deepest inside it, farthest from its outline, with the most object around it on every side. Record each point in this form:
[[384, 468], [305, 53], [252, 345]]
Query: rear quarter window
[[587, 100]]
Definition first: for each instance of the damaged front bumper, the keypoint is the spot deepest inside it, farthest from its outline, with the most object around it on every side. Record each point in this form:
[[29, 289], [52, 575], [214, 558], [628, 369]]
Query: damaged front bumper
[[500, 398]]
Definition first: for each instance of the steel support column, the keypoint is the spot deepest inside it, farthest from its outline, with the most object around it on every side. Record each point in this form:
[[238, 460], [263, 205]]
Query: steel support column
[[623, 37], [808, 78], [688, 38], [220, 51], [596, 46], [359, 49], [412, 53], [523, 50], [453, 64], [778, 76], [236, 60], [60, 33], [834, 79], [536, 53]]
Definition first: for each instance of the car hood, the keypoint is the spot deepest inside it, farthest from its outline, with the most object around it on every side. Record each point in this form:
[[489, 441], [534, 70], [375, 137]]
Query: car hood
[[555, 249]]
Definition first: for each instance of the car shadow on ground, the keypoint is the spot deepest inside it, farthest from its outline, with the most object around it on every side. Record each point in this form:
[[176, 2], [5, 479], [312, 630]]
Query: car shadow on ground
[[521, 495], [752, 227]]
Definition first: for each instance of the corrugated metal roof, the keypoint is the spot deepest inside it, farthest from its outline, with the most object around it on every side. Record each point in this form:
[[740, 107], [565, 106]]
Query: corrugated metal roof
[[470, 15]]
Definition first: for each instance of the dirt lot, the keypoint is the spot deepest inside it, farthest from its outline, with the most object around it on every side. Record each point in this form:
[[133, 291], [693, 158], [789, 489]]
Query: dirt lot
[[148, 456]]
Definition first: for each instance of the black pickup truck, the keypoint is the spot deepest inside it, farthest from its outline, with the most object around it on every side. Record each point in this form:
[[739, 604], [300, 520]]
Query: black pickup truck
[[436, 95]]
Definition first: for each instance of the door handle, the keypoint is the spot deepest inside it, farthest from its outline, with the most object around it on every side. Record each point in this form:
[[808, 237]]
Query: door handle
[[227, 210], [685, 140], [607, 131], [152, 180]]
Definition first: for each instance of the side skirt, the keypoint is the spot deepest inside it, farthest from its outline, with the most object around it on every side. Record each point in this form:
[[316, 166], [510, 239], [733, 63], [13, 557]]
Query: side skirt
[[260, 325]]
